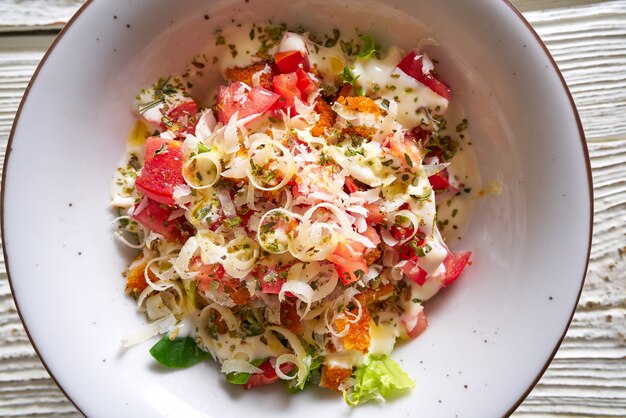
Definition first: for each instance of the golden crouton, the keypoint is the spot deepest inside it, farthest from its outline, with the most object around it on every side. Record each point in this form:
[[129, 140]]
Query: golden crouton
[[333, 377], [359, 104], [362, 131], [244, 74], [358, 337], [327, 117], [136, 279], [382, 292]]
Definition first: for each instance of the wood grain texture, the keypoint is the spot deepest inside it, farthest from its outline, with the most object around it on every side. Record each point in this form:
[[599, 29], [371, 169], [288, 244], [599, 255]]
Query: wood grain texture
[[588, 375], [21, 15]]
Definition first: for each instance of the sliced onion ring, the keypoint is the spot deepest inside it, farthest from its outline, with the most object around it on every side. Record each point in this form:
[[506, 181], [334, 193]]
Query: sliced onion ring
[[208, 176]]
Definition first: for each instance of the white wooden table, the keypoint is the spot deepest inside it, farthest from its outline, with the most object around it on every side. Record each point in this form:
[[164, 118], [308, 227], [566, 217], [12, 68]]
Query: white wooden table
[[588, 41]]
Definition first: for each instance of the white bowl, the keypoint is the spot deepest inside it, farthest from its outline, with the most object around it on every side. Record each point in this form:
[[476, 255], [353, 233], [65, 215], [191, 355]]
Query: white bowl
[[491, 335]]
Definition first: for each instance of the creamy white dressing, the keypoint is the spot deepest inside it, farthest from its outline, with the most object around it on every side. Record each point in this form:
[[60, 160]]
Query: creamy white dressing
[[463, 170], [226, 347], [243, 50], [345, 359], [381, 78], [328, 61]]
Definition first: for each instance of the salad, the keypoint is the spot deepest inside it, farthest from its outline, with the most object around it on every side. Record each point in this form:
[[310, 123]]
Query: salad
[[288, 228]]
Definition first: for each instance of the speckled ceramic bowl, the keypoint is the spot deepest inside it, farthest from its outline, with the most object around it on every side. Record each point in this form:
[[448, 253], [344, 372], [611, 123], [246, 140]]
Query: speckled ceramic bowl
[[491, 335]]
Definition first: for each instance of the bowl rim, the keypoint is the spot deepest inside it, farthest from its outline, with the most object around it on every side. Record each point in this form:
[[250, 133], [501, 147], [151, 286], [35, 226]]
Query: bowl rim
[[555, 67]]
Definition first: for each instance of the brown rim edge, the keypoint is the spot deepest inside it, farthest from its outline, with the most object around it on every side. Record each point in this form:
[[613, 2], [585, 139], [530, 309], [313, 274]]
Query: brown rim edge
[[4, 174], [507, 2], [583, 142]]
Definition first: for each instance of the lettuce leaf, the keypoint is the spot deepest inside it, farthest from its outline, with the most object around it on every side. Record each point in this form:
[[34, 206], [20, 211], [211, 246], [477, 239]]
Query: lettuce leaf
[[177, 353], [378, 379]]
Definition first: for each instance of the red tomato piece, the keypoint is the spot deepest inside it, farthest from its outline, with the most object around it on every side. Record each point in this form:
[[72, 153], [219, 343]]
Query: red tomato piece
[[238, 97], [306, 84], [155, 216], [420, 136], [454, 264], [351, 185], [399, 232], [414, 272], [372, 234], [374, 214], [349, 262], [287, 86], [271, 279], [440, 181], [420, 325], [268, 374], [412, 65], [289, 317], [207, 274], [291, 61], [184, 116], [162, 170]]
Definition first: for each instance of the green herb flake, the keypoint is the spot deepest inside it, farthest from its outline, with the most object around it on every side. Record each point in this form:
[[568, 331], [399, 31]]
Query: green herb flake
[[332, 40], [348, 76], [368, 50], [461, 126], [408, 160], [161, 150], [265, 228]]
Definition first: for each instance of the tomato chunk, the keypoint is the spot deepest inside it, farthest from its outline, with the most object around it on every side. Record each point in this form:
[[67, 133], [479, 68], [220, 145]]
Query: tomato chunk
[[351, 185], [413, 66], [271, 279], [239, 97], [268, 374], [155, 216], [287, 86], [291, 61], [207, 273], [420, 325], [183, 118], [414, 272], [454, 264], [306, 84], [374, 214], [349, 262], [162, 170], [289, 317], [441, 181]]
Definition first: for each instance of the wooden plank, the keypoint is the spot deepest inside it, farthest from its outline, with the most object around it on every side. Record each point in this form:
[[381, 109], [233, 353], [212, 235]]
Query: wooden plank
[[20, 15], [588, 375]]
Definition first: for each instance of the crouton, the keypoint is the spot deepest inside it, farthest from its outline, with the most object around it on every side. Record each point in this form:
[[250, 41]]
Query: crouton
[[359, 104], [332, 377], [358, 337], [382, 292], [371, 256], [362, 131], [327, 117], [240, 296], [135, 277], [244, 74]]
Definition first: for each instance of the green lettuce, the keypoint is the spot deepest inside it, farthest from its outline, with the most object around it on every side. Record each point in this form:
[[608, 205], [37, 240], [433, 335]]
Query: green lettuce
[[379, 378]]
